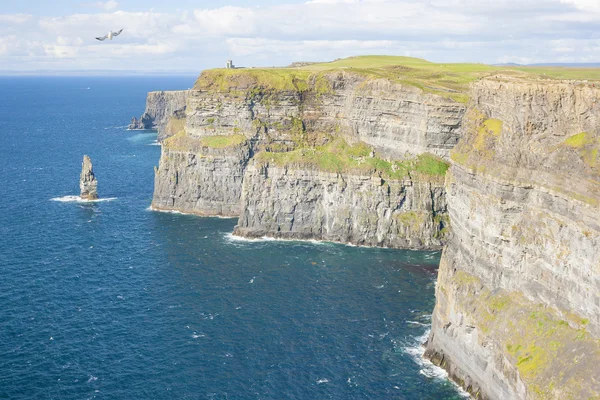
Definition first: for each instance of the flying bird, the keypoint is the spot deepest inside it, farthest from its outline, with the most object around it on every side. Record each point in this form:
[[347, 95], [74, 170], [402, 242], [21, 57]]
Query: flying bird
[[109, 35]]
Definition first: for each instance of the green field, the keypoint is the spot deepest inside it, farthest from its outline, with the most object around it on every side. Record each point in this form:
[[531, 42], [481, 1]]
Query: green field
[[445, 79]]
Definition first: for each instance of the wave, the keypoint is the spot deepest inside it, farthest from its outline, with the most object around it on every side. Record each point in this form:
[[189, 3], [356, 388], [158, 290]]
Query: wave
[[150, 208], [416, 351], [77, 199], [116, 127], [234, 238]]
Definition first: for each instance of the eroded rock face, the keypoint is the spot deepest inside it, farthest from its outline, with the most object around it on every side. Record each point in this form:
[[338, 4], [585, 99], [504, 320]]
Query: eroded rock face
[[88, 184], [204, 182], [160, 106], [518, 296], [396, 121], [366, 210]]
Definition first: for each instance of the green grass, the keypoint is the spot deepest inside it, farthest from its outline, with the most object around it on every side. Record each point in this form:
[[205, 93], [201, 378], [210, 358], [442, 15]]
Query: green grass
[[339, 156], [587, 146], [537, 341], [222, 141], [578, 141], [182, 142], [450, 80]]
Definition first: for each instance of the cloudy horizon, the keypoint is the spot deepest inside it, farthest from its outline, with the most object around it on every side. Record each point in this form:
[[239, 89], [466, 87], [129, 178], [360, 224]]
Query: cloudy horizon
[[189, 36]]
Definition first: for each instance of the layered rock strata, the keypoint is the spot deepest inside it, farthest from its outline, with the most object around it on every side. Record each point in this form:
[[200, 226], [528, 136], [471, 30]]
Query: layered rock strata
[[203, 167], [160, 106], [88, 184], [517, 312], [365, 210]]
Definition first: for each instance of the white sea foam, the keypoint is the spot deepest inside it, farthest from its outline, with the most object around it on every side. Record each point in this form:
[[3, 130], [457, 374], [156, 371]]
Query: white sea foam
[[77, 199], [234, 238], [150, 208], [417, 352], [417, 323]]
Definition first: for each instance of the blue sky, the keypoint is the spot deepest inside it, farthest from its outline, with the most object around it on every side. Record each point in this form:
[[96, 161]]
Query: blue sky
[[185, 36]]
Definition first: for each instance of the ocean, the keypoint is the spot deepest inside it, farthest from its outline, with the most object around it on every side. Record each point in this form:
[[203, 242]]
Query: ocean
[[110, 300]]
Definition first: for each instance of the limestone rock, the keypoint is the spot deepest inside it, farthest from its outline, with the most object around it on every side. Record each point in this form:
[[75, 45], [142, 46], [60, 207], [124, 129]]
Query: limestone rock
[[160, 106], [88, 184], [517, 312], [305, 203]]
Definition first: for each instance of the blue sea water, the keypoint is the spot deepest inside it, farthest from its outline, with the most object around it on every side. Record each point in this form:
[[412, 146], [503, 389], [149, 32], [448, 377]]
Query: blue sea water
[[112, 301]]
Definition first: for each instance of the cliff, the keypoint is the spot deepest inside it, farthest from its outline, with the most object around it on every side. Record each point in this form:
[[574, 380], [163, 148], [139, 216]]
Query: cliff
[[357, 151], [160, 106], [517, 311], [236, 120], [402, 209]]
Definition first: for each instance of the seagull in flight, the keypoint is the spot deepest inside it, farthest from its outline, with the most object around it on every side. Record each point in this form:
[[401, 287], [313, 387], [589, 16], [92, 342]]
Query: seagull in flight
[[109, 35]]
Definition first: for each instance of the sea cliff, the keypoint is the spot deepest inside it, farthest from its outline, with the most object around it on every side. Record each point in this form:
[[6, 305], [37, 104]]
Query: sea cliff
[[160, 106], [375, 147], [500, 166], [517, 314]]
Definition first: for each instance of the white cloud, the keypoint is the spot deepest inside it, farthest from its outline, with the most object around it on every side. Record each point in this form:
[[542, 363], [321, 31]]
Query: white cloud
[[109, 5], [440, 30], [14, 18]]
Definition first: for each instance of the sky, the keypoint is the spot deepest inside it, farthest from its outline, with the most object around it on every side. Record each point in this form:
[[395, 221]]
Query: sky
[[186, 36]]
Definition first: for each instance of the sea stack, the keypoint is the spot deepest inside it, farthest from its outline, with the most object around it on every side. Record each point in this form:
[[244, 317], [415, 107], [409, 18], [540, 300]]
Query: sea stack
[[87, 181]]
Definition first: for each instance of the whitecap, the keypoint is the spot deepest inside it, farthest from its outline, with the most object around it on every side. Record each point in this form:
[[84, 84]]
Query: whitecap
[[417, 323], [92, 378], [417, 352], [150, 208], [235, 238], [77, 199], [322, 380]]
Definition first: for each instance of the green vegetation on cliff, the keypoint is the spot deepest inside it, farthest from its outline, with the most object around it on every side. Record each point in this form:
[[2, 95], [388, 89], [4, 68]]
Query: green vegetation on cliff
[[339, 156], [536, 340], [450, 80], [183, 142]]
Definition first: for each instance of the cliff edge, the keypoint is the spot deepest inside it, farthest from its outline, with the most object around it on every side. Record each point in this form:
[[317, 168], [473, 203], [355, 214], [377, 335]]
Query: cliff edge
[[369, 146], [517, 312]]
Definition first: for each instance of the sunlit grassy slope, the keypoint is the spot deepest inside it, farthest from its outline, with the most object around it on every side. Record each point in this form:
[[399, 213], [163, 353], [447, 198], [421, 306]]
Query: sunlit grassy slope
[[445, 79]]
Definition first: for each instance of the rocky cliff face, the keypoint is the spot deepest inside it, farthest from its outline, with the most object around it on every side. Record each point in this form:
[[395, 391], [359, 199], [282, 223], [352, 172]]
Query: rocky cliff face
[[395, 119], [366, 210], [346, 158], [88, 184], [197, 179], [203, 167], [160, 106], [518, 296]]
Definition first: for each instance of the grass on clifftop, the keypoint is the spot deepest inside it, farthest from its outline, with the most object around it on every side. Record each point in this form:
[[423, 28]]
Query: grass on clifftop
[[339, 156], [450, 80], [182, 142]]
